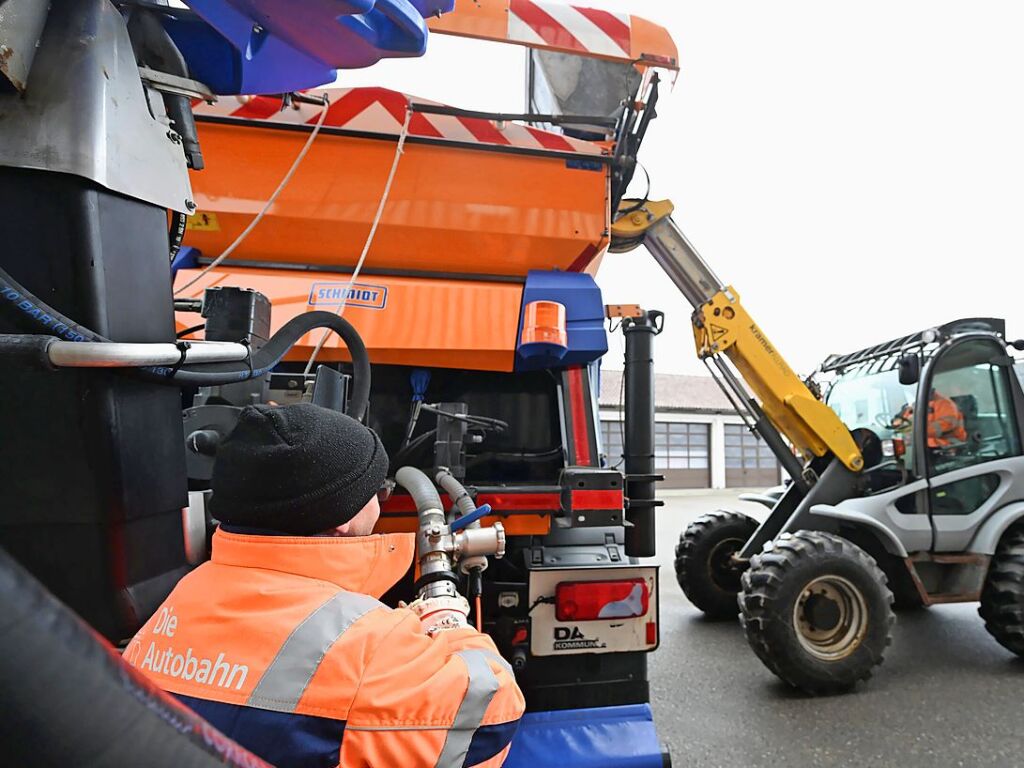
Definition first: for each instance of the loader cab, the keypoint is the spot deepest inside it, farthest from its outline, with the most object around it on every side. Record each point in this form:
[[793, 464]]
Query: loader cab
[[968, 448], [969, 478]]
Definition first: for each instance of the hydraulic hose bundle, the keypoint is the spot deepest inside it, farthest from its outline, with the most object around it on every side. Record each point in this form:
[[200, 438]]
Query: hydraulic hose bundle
[[440, 545], [32, 314], [473, 566]]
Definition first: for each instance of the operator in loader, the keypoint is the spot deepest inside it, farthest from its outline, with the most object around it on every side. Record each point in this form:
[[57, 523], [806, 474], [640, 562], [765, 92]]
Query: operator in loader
[[945, 421], [280, 640]]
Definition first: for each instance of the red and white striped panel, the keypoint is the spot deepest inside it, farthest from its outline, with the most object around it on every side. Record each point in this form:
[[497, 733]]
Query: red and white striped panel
[[379, 110], [570, 27]]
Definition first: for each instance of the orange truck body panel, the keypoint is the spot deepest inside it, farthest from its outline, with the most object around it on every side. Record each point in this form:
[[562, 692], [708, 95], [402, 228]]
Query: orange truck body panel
[[403, 321], [464, 222], [452, 209]]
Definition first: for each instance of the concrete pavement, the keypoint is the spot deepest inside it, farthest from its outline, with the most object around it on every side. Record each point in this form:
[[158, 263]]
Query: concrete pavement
[[947, 694]]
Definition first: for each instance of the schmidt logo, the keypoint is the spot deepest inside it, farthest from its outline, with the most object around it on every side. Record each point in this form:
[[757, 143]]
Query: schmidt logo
[[356, 295]]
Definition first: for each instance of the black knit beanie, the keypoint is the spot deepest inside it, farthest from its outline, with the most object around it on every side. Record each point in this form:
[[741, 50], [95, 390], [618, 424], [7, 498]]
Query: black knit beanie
[[296, 469]]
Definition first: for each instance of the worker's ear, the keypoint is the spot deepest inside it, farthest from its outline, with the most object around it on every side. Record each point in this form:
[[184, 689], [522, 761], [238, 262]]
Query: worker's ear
[[910, 369]]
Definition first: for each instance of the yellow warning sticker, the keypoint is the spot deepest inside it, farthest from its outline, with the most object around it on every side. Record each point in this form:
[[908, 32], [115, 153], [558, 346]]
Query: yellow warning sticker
[[203, 222], [717, 332]]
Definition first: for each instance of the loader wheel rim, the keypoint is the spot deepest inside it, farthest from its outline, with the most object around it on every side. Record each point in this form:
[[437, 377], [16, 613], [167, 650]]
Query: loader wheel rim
[[722, 566], [830, 618]]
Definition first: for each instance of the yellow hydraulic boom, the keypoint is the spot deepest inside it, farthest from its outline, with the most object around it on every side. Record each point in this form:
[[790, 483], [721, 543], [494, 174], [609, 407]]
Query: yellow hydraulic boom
[[722, 326]]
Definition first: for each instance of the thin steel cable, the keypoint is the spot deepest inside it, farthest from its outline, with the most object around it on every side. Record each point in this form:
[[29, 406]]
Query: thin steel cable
[[399, 149]]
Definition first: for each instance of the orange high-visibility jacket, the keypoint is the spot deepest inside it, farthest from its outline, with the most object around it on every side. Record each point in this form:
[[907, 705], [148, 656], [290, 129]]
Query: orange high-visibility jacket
[[282, 644], [945, 422]]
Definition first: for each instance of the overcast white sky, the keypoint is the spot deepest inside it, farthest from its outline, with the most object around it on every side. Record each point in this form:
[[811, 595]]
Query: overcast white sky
[[855, 170]]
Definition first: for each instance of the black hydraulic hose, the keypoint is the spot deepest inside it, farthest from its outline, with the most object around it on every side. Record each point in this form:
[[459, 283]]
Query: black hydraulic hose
[[177, 232], [34, 349], [423, 492], [418, 442], [189, 331], [483, 422], [70, 699], [29, 312]]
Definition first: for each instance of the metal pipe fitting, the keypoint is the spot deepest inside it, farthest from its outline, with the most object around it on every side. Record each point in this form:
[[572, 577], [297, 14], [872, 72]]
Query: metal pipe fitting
[[437, 547], [434, 543], [465, 505], [473, 543]]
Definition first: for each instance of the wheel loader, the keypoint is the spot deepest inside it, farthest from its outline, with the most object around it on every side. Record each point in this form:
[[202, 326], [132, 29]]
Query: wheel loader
[[906, 481]]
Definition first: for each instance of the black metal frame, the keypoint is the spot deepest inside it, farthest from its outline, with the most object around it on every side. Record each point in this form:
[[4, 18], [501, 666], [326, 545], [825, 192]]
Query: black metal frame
[[628, 141], [913, 341], [425, 140]]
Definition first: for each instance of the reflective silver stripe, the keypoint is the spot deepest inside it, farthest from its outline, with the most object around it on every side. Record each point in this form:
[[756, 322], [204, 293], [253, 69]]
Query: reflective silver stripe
[[500, 660], [482, 686], [285, 680]]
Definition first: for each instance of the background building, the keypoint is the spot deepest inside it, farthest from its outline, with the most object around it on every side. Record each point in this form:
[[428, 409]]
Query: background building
[[700, 440]]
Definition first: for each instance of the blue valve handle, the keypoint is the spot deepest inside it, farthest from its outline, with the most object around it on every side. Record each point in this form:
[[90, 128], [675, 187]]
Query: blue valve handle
[[482, 511]]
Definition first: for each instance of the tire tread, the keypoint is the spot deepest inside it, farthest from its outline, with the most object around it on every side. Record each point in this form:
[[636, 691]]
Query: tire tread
[[763, 582], [687, 555], [1002, 598]]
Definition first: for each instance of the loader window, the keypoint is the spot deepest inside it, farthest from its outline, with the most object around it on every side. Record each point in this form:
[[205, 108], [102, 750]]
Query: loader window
[[964, 496], [870, 399], [979, 388]]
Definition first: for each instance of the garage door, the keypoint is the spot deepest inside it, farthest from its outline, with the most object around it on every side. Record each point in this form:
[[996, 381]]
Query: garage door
[[680, 452], [749, 462]]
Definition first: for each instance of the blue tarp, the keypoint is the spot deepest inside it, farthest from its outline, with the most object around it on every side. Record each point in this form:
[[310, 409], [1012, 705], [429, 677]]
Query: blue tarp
[[602, 737]]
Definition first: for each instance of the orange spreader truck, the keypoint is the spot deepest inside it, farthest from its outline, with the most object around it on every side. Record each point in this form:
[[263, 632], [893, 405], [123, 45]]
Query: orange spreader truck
[[484, 331], [451, 252]]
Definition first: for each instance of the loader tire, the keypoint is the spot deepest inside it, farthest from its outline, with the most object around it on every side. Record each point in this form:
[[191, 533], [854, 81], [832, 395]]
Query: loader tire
[[817, 611], [1002, 598], [704, 566]]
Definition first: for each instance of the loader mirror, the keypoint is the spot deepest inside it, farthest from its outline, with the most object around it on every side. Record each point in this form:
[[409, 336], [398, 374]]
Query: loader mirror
[[910, 369]]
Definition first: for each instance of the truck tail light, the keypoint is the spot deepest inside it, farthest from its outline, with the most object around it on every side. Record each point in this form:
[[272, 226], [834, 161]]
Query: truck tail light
[[594, 600]]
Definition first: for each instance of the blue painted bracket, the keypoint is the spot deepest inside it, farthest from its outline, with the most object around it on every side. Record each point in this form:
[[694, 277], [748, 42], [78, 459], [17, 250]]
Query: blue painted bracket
[[584, 318]]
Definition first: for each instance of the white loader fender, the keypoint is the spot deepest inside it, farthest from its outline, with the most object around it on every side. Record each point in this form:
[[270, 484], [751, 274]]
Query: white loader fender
[[991, 531], [889, 541]]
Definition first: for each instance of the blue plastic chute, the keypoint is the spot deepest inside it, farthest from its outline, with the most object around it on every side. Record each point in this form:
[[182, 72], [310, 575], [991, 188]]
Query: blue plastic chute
[[274, 46]]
